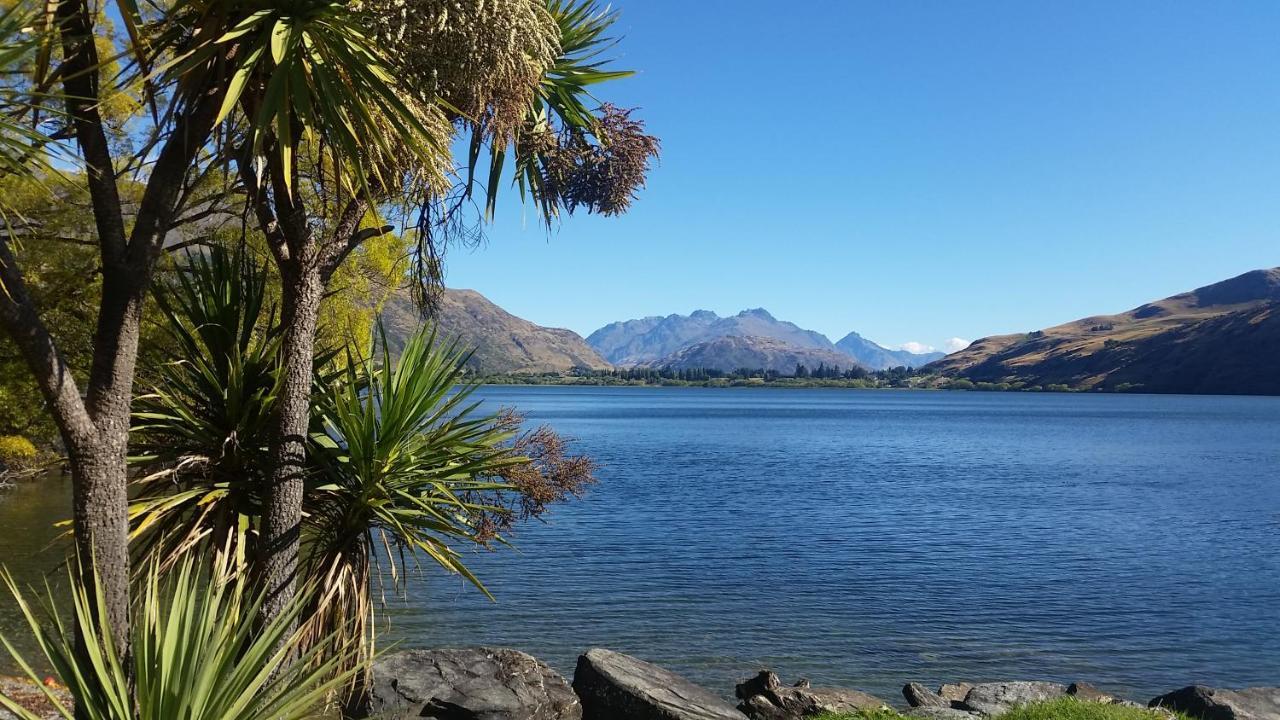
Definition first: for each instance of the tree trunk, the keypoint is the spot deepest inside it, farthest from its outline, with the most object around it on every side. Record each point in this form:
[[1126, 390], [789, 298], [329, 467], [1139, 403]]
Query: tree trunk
[[281, 526], [100, 498]]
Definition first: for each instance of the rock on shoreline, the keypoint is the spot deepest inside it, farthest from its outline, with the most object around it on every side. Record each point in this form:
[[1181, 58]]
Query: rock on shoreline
[[498, 684], [467, 684], [614, 686], [1259, 703], [764, 697]]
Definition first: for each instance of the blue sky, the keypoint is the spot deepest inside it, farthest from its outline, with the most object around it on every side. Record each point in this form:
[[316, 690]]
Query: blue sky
[[918, 171]]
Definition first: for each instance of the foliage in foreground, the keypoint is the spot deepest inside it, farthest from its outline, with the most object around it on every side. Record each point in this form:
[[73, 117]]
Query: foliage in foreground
[[1061, 709], [198, 653], [401, 463]]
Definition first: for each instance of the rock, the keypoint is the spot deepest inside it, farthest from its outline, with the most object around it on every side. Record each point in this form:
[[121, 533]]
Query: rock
[[954, 692], [1088, 693], [764, 697], [918, 695], [1206, 703], [996, 698], [613, 686], [941, 713], [764, 682], [468, 684]]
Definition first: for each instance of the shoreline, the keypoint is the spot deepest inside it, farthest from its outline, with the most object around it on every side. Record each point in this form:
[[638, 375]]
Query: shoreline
[[523, 383]]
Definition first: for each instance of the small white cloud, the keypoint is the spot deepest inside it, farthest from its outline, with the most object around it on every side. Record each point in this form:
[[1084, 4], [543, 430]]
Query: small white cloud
[[955, 343], [916, 347]]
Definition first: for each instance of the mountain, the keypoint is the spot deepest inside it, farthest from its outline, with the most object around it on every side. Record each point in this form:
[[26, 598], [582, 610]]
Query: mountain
[[1221, 338], [503, 343], [637, 342], [876, 357], [733, 352]]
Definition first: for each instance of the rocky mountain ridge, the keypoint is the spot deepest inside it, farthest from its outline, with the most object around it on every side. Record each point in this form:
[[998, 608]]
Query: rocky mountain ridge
[[734, 352]]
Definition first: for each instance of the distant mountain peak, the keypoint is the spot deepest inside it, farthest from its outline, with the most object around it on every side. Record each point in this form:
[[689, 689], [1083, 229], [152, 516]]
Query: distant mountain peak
[[636, 342], [1253, 286], [731, 352], [878, 357]]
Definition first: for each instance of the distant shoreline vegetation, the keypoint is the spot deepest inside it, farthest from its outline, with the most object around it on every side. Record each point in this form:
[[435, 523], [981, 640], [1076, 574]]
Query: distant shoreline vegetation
[[894, 378]]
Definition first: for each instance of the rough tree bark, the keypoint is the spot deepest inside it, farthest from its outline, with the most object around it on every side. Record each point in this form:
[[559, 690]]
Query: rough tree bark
[[306, 260], [281, 526]]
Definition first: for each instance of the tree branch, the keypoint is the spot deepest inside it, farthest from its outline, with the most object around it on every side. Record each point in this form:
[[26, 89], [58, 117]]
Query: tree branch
[[80, 82], [354, 241], [189, 243], [256, 197], [52, 374]]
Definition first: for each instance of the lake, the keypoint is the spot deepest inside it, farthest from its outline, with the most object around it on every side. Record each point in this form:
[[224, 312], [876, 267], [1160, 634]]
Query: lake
[[869, 538]]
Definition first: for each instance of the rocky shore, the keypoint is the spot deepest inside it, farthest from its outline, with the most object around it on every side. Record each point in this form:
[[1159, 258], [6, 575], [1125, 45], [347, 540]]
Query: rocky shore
[[505, 684]]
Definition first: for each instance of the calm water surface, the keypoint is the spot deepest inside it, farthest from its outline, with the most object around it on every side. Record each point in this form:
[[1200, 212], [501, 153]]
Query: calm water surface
[[868, 538]]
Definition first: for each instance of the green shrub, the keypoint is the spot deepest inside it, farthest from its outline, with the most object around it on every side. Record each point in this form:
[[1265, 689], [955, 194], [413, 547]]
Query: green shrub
[[1069, 708], [199, 652], [16, 452]]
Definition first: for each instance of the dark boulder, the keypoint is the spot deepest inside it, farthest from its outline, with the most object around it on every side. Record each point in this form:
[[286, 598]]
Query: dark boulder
[[764, 697], [613, 686], [468, 684], [918, 695], [1206, 703]]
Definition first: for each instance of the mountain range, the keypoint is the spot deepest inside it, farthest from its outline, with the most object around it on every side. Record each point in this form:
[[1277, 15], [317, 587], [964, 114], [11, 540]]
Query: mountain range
[[1220, 338], [505, 344], [758, 338], [732, 352]]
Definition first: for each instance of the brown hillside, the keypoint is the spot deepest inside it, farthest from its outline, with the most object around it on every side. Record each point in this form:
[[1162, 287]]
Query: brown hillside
[[503, 343]]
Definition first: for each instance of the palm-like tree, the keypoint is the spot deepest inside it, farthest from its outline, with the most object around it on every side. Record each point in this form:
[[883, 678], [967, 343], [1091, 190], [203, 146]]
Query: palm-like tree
[[321, 118], [330, 125], [400, 460]]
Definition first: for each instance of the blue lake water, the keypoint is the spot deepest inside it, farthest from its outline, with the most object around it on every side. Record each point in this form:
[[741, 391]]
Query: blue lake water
[[869, 538]]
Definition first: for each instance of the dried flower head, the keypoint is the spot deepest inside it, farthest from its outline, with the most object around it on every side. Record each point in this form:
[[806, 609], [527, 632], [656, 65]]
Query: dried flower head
[[548, 474], [600, 172], [483, 58]]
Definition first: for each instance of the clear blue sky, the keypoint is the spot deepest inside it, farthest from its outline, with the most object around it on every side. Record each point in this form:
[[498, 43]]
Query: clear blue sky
[[918, 171]]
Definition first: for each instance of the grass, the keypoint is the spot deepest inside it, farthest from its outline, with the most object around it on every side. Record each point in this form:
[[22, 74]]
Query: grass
[[1060, 709]]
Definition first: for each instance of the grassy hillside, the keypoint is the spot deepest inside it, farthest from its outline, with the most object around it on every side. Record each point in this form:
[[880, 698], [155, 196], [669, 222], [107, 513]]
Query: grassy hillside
[[1220, 338]]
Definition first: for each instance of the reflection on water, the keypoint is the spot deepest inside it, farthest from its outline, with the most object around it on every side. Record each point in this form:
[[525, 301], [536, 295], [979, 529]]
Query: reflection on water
[[31, 549]]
